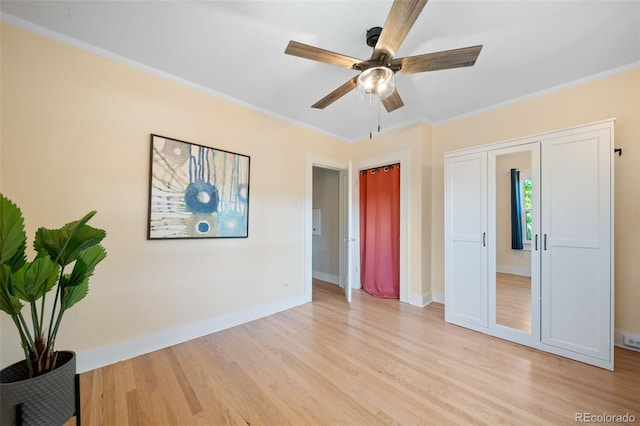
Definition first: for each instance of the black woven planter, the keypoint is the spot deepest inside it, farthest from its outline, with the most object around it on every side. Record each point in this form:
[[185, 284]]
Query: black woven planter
[[49, 399]]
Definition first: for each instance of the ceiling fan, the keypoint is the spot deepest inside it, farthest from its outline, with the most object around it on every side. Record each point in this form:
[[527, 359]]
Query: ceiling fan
[[376, 73]]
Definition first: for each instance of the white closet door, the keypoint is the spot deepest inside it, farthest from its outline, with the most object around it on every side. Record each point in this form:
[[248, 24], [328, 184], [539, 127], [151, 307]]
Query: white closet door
[[465, 240], [576, 241]]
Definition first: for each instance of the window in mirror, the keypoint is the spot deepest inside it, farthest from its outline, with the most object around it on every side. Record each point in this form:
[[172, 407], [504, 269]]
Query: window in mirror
[[526, 208]]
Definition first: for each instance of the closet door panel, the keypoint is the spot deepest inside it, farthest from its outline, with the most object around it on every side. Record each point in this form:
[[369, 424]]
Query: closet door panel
[[573, 302], [514, 273], [468, 301], [576, 256], [465, 240]]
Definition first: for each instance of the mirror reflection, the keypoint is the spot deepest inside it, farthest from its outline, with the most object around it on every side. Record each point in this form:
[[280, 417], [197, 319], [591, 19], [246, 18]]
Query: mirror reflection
[[513, 240]]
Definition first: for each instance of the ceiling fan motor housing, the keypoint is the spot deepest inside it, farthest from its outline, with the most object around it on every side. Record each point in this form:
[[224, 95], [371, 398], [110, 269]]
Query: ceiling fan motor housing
[[373, 35]]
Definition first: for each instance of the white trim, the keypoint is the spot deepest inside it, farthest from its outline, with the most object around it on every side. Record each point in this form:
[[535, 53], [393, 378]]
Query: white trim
[[106, 355], [437, 297], [421, 301], [87, 47], [612, 233], [515, 270], [554, 89], [333, 279], [73, 42]]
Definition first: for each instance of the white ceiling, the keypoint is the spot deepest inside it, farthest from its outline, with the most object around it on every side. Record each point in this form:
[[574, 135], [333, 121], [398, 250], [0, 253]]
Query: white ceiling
[[235, 49]]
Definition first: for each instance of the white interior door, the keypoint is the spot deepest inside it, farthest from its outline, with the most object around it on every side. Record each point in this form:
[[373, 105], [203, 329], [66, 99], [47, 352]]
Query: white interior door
[[349, 236], [466, 299], [576, 243]]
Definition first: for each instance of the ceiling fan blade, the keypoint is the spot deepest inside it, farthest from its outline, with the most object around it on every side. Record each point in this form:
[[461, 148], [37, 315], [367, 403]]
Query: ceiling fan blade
[[393, 101], [455, 58], [402, 16], [336, 94], [302, 50]]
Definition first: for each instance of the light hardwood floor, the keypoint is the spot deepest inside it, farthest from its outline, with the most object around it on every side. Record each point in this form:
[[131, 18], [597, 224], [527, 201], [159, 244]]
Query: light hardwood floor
[[375, 362], [513, 301]]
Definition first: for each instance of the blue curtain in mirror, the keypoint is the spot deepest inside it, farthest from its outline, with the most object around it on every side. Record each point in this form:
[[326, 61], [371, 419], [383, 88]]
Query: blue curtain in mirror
[[516, 211]]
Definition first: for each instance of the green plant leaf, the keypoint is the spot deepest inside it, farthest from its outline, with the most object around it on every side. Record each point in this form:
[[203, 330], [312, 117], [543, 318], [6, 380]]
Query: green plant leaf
[[29, 281], [18, 259], [9, 303], [76, 284], [73, 295], [92, 256], [85, 265], [64, 245], [13, 239], [36, 278]]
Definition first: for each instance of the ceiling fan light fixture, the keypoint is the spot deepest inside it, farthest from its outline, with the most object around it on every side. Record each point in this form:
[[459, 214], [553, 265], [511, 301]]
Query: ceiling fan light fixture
[[375, 81]]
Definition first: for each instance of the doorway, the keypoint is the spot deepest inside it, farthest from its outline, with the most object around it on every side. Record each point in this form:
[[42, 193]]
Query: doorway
[[330, 168], [325, 230], [402, 158], [349, 250]]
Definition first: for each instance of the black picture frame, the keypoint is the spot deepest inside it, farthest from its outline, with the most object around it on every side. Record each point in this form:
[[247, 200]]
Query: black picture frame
[[196, 191]]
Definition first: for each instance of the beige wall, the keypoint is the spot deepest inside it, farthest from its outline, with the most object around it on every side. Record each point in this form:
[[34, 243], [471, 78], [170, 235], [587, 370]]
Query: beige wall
[[614, 96], [75, 137]]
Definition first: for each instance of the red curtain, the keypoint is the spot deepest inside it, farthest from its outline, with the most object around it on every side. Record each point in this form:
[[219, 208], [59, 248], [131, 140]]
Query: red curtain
[[380, 231]]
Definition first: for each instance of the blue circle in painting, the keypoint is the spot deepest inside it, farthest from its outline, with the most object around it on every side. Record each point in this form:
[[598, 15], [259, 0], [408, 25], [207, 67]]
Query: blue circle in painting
[[203, 227], [232, 224], [201, 197], [243, 192]]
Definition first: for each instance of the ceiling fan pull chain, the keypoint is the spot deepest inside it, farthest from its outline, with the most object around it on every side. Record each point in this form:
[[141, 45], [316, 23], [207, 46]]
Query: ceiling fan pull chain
[[379, 102], [370, 116]]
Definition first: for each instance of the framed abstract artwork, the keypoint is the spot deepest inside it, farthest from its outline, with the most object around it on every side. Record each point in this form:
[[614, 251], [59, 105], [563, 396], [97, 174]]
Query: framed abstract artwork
[[196, 191]]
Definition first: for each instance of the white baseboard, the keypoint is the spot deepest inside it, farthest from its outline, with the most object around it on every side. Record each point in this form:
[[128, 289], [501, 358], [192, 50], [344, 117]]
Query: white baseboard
[[425, 299], [334, 279], [100, 357], [438, 297], [515, 270], [420, 300]]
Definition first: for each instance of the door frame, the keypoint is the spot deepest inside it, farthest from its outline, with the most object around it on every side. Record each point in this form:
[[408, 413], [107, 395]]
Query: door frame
[[401, 157], [342, 166], [314, 160]]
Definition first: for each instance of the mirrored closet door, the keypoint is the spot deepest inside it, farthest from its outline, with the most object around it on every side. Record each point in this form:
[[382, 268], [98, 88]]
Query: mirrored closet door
[[513, 232]]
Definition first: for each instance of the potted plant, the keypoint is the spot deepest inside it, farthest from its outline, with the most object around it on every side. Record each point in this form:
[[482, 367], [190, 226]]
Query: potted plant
[[64, 260]]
